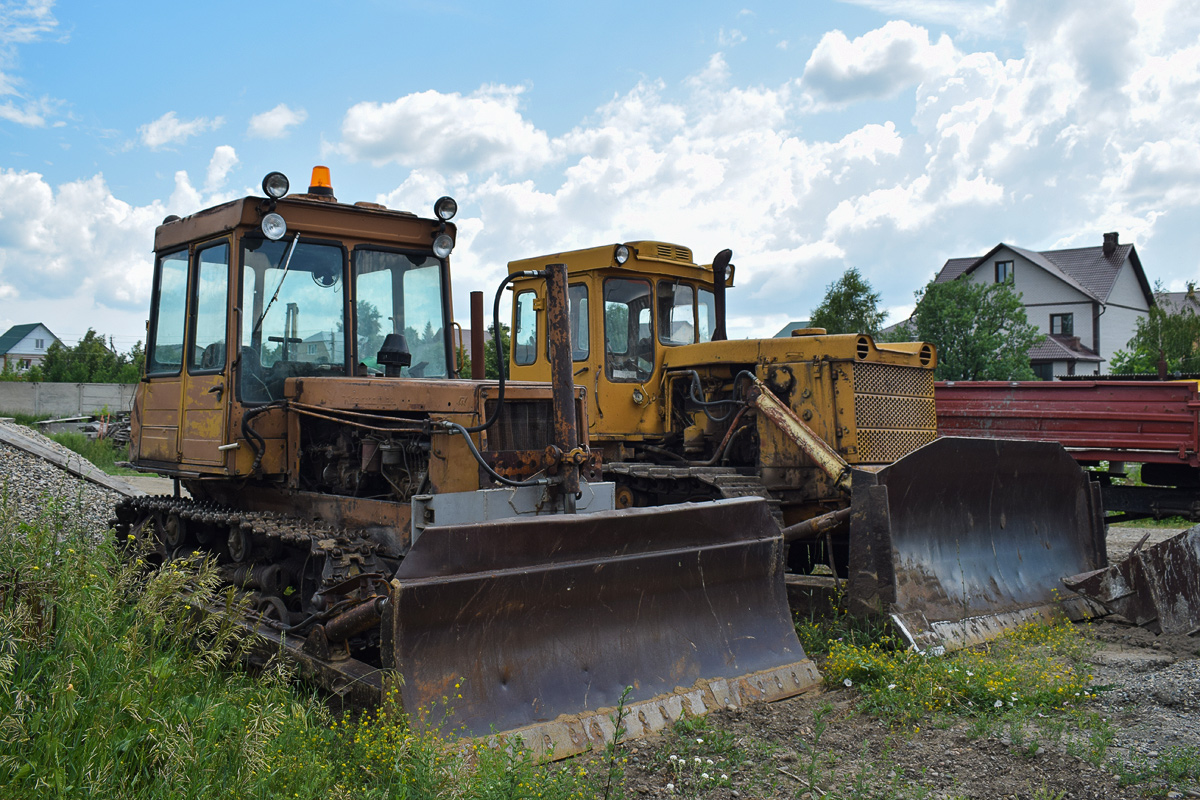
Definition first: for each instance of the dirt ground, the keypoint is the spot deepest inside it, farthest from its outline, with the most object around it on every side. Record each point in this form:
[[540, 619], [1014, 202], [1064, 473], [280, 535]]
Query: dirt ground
[[1152, 708]]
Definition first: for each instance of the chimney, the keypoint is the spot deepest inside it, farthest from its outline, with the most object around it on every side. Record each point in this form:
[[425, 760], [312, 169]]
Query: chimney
[[1110, 243]]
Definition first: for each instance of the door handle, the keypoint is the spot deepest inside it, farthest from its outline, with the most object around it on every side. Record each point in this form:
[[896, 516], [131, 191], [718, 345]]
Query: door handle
[[219, 390]]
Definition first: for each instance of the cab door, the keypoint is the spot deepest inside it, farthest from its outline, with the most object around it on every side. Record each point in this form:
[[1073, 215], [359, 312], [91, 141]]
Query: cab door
[[205, 384], [156, 408]]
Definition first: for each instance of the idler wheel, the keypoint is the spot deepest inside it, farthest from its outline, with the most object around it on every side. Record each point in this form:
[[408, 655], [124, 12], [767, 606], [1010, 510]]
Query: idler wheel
[[240, 544], [174, 531]]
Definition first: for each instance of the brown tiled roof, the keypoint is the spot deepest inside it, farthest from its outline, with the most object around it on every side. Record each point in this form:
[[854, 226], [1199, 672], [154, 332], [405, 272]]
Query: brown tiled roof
[[1085, 268], [1062, 348]]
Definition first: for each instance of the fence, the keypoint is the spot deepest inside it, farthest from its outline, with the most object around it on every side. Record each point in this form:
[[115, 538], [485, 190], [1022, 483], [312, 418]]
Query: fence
[[65, 399]]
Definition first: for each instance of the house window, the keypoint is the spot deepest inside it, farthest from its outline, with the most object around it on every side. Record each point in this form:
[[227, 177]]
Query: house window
[[312, 349], [1063, 324], [1004, 271], [39, 344], [1043, 372]]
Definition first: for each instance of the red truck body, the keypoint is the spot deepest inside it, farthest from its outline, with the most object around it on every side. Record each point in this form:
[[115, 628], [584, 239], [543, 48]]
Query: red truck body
[[1150, 423], [1127, 421]]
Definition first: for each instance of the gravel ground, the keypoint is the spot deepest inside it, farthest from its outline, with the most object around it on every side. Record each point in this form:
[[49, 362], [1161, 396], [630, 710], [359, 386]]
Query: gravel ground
[[36, 489]]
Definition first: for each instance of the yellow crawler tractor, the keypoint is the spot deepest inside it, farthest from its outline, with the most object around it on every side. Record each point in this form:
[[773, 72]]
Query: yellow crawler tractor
[[955, 538], [391, 525]]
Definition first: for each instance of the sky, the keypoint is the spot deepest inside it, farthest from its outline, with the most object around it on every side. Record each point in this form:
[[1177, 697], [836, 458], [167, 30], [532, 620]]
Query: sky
[[808, 137]]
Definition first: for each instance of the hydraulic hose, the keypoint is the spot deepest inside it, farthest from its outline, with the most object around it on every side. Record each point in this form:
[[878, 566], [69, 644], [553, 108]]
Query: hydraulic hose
[[500, 362]]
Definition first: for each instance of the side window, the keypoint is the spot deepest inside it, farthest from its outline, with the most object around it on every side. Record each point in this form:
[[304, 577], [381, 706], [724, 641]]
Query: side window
[[212, 303], [524, 340], [676, 313], [628, 337], [577, 298], [707, 316], [1004, 271], [164, 354]]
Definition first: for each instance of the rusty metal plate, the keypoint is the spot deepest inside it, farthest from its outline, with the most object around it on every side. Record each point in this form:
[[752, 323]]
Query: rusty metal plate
[[508, 625], [1157, 588], [965, 537]]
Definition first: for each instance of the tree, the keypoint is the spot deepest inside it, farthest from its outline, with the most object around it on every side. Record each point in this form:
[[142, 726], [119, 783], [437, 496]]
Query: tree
[[980, 330], [90, 361], [490, 368], [850, 306], [1167, 333]]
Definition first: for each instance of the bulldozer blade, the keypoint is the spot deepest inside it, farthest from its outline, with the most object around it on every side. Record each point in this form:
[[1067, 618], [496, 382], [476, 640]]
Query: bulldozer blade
[[964, 538], [534, 627], [1157, 587]]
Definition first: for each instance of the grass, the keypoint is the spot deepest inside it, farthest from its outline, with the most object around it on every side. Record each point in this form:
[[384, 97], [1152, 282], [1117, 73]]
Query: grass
[[103, 693], [100, 452]]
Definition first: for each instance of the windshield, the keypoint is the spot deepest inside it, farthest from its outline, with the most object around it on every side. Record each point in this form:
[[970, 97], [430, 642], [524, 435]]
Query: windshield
[[401, 293], [628, 346], [293, 324]]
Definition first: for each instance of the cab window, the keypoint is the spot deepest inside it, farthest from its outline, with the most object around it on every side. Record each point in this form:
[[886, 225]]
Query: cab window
[[676, 313], [524, 339], [706, 316], [211, 304], [165, 342], [628, 331], [293, 321], [577, 298], [400, 293]]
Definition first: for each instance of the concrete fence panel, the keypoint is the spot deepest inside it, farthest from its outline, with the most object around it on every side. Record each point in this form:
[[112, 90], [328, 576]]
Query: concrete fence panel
[[65, 399]]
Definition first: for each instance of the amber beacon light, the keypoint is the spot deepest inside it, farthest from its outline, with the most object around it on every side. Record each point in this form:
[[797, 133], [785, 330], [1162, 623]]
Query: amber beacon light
[[321, 183]]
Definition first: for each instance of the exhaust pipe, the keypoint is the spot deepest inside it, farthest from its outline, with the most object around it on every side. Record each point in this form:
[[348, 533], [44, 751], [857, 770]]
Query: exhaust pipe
[[720, 264]]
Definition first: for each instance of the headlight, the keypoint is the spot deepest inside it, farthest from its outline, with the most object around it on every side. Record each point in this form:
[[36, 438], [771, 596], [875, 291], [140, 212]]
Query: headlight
[[442, 245], [275, 185], [445, 208], [621, 255], [273, 226]]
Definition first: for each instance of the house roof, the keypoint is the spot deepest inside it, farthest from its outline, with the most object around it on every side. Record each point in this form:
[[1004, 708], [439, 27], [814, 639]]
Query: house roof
[[1177, 301], [1085, 269], [786, 330], [16, 333], [1057, 347]]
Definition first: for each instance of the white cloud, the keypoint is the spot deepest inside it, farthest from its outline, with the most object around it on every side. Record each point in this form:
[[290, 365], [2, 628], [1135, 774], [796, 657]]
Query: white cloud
[[223, 160], [877, 64], [276, 123], [77, 240], [730, 38], [483, 131], [967, 15], [169, 129]]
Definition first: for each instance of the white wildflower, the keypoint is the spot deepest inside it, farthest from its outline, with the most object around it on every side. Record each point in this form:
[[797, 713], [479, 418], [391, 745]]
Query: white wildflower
[[848, 683], [998, 703]]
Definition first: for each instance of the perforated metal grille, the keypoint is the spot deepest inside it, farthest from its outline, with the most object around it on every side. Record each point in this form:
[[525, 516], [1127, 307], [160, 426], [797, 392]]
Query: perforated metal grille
[[891, 380], [884, 447], [894, 410], [877, 411]]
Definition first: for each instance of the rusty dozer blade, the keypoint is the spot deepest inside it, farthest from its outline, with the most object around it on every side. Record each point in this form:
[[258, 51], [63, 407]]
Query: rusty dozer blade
[[534, 626], [1157, 587], [963, 538]]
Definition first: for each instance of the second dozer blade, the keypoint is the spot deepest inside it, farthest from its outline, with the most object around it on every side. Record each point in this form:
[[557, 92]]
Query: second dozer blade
[[535, 626], [965, 537]]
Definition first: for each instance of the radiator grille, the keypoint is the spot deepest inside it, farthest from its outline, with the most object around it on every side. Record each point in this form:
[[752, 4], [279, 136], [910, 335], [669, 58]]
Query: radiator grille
[[894, 410], [523, 425]]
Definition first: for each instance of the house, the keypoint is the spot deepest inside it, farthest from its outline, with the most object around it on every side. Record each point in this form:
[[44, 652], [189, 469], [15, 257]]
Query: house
[[795, 325], [24, 346], [1172, 302], [1087, 300]]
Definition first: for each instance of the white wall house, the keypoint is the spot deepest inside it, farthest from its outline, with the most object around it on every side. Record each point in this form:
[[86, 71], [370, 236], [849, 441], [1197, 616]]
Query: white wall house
[[24, 346], [1086, 300]]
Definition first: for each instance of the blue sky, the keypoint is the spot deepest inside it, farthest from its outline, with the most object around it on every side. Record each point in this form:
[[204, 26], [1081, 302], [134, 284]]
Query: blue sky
[[886, 135]]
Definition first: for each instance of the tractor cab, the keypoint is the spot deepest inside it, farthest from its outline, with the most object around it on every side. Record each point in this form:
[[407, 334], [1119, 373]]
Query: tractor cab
[[260, 290], [655, 298]]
